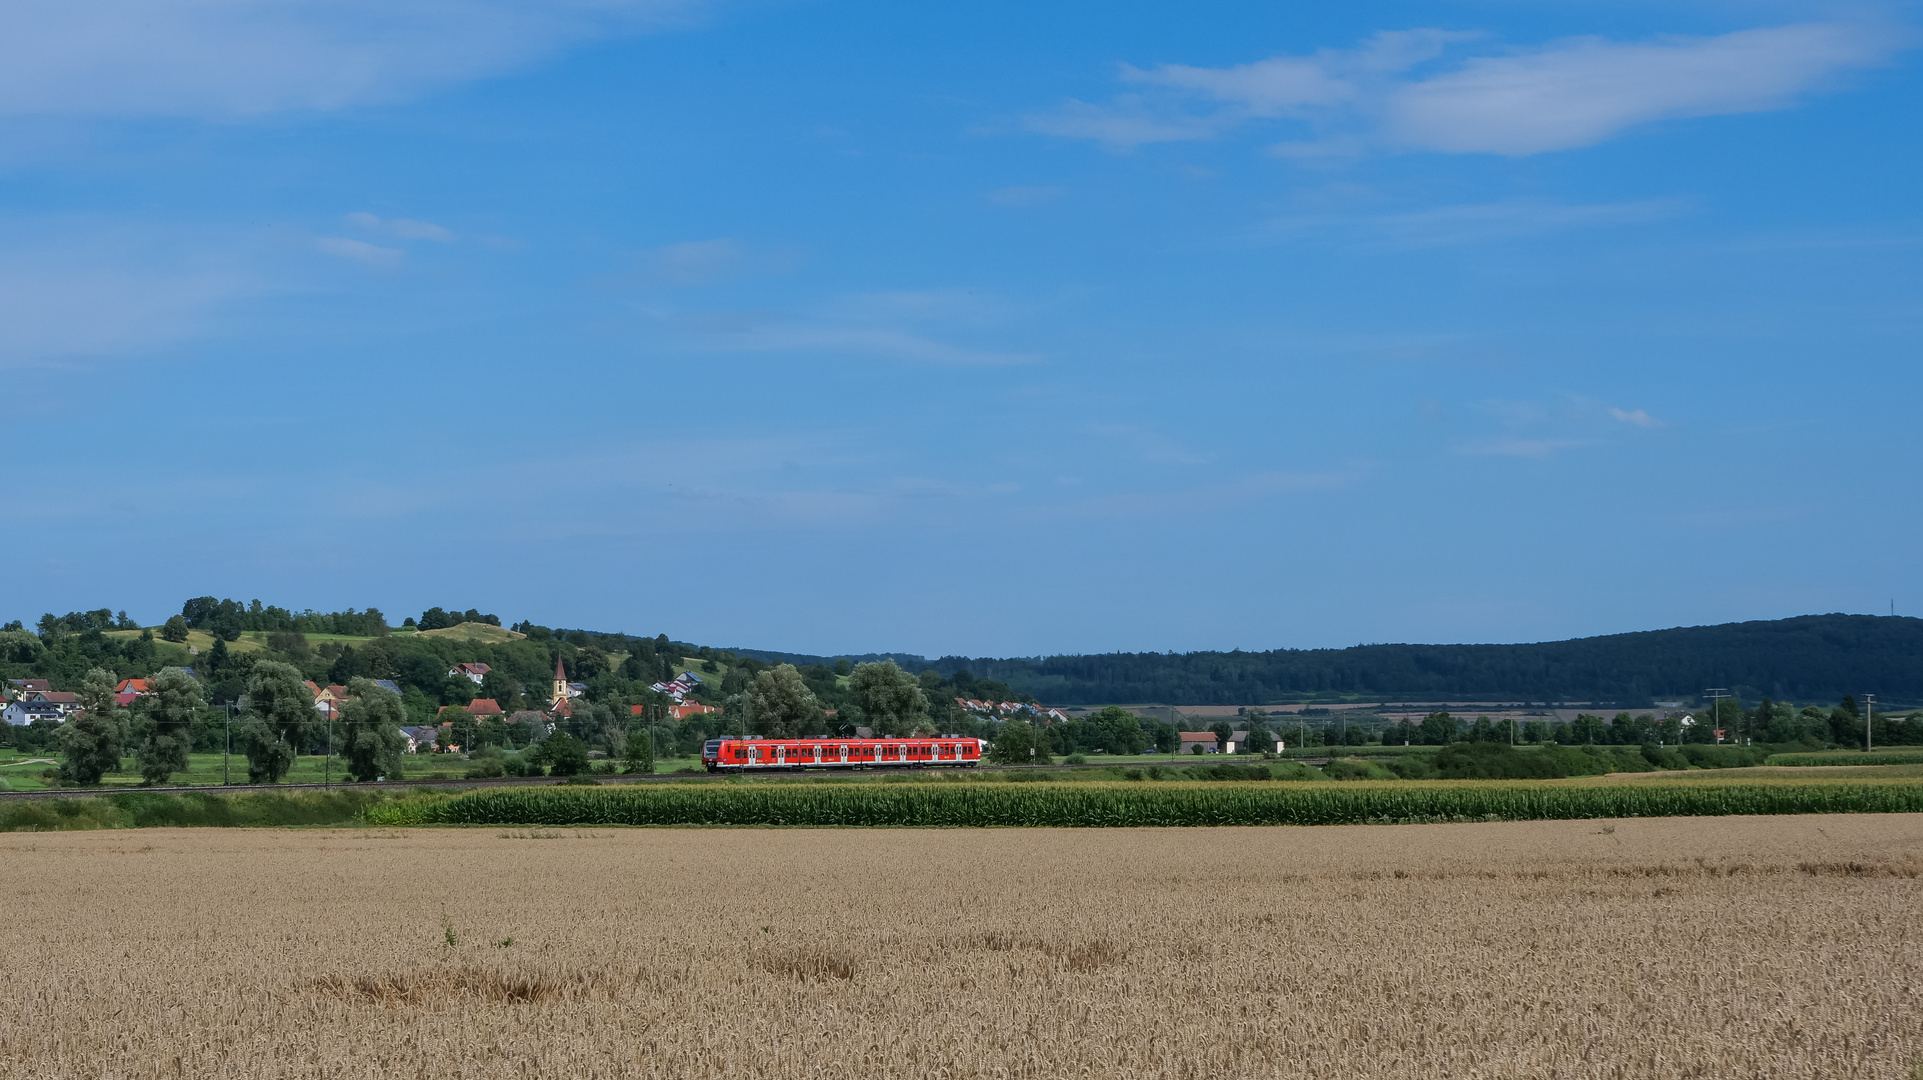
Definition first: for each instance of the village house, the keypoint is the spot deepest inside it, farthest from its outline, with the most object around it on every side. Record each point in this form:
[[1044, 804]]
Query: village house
[[22, 713], [18, 689], [472, 672], [67, 703], [483, 707], [1204, 739], [418, 737]]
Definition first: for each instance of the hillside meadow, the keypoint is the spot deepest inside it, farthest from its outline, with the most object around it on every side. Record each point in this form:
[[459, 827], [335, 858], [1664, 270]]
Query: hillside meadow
[[1728, 947]]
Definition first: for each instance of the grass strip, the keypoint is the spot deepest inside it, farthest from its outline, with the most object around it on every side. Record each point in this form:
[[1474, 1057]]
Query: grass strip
[[1119, 805]]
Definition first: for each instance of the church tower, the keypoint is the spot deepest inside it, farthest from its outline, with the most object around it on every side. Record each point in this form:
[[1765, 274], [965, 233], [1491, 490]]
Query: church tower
[[560, 695]]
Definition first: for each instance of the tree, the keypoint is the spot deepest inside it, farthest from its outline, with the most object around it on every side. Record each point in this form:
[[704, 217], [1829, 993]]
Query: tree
[[565, 755], [1222, 734], [1018, 743], [280, 718], [1438, 729], [460, 727], [504, 689], [891, 699], [841, 666], [174, 630], [779, 703], [91, 743], [372, 746], [639, 757], [164, 725], [1119, 730]]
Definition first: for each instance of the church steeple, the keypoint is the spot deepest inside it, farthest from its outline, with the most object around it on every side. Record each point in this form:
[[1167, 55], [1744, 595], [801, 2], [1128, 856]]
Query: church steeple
[[560, 695]]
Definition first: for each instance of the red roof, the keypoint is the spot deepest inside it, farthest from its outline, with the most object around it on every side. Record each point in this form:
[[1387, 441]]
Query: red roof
[[133, 686], [483, 706]]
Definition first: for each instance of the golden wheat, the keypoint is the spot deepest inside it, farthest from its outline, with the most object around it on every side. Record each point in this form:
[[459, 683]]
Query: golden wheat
[[1728, 947]]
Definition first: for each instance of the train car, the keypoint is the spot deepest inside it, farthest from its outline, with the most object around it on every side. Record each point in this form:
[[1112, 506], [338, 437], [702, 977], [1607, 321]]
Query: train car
[[736, 755]]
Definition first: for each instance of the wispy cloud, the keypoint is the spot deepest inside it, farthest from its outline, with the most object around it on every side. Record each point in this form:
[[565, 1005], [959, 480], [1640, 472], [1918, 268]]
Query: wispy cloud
[[1512, 447], [1392, 92], [1227, 495], [883, 343], [1471, 223], [94, 288], [240, 58], [1636, 418], [710, 262], [361, 251], [405, 228], [1146, 445], [914, 326]]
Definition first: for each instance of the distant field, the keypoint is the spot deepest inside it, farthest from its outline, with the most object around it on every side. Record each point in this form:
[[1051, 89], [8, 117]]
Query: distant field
[[1737, 947]]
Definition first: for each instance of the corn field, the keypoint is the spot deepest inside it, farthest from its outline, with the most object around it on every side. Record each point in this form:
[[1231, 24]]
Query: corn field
[[1646, 948], [1128, 805]]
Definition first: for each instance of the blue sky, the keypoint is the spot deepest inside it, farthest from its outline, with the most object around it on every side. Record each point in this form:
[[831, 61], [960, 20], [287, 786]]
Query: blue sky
[[992, 328]]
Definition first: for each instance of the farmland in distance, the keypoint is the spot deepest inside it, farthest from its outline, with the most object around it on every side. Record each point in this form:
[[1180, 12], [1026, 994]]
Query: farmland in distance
[[1749, 946]]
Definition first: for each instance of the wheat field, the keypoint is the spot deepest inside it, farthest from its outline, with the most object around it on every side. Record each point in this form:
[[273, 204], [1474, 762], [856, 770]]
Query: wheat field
[[1725, 947]]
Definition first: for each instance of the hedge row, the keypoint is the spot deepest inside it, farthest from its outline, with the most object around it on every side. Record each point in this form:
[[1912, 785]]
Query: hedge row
[[1092, 805], [137, 809], [1847, 757]]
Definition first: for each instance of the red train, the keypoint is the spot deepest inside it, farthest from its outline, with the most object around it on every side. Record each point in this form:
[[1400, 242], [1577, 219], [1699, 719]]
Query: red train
[[721, 755]]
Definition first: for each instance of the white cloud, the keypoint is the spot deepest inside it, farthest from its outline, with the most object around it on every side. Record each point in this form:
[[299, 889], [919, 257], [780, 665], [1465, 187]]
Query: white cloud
[[1636, 417], [361, 251], [1386, 94], [240, 58], [405, 228]]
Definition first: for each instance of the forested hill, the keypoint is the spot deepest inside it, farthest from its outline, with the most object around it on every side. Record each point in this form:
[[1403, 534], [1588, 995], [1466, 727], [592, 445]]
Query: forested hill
[[1808, 658]]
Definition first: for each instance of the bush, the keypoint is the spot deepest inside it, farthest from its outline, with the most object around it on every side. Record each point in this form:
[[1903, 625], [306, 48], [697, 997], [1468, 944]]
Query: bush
[[1845, 757], [1230, 772], [1356, 769], [1710, 756], [1075, 759], [1500, 761], [1413, 767]]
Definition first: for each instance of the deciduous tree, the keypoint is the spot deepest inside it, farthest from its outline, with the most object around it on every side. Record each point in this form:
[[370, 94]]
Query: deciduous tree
[[780, 705], [280, 718], [164, 724], [372, 746], [891, 700], [92, 742]]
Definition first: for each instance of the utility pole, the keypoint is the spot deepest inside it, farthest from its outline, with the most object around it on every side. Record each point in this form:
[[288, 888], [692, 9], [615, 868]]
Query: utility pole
[[330, 744], [1869, 720], [1716, 696], [226, 773]]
